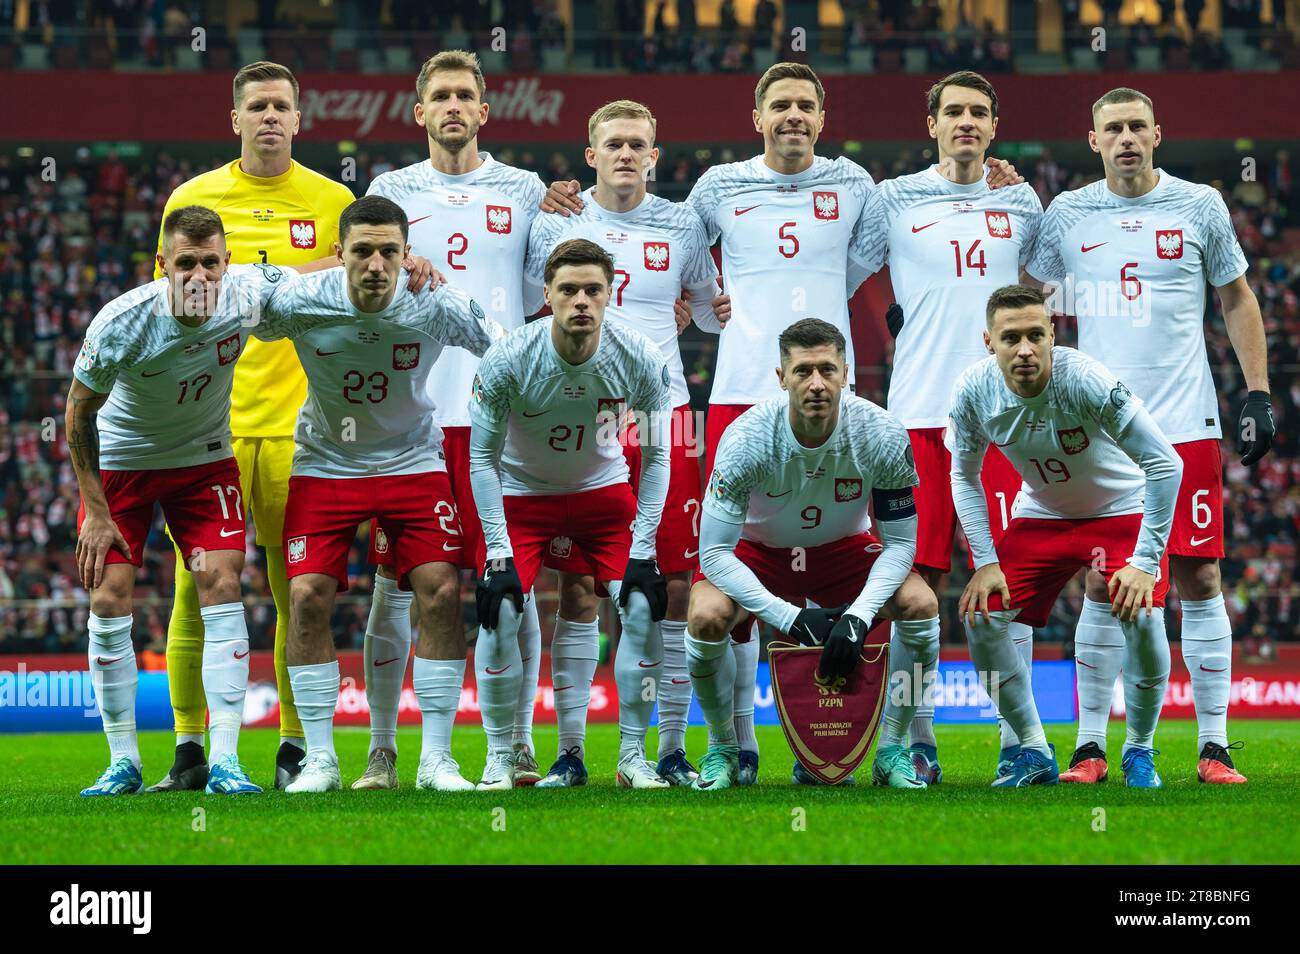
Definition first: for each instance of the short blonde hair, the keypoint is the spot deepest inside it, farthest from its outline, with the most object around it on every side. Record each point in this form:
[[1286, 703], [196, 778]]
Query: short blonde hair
[[449, 60], [620, 109], [780, 71], [1123, 95]]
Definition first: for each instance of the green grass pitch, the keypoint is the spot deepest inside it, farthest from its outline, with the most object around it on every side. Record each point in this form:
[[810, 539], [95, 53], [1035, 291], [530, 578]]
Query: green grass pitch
[[42, 820]]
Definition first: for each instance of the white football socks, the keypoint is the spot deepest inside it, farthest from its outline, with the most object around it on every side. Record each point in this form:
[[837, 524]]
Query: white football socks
[[746, 682], [1146, 674], [712, 668], [1023, 638], [674, 688], [114, 676], [1001, 669], [637, 666], [225, 675], [913, 647], [575, 651], [388, 645], [530, 653], [921, 731], [316, 694], [1098, 657], [498, 670], [1207, 650], [438, 684]]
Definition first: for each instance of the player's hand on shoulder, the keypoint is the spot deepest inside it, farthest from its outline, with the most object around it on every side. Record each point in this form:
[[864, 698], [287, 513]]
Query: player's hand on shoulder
[[843, 646], [1130, 590], [1256, 427], [563, 197], [421, 272], [644, 575], [98, 535], [1002, 174], [812, 627], [499, 582], [986, 581], [682, 313]]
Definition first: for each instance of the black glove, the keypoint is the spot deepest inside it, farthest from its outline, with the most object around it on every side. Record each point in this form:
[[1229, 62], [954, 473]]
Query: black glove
[[894, 319], [812, 626], [500, 581], [644, 575], [843, 648], [1256, 419]]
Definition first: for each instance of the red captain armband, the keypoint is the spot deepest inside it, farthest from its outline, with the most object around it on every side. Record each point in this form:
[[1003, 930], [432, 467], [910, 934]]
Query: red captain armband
[[893, 504]]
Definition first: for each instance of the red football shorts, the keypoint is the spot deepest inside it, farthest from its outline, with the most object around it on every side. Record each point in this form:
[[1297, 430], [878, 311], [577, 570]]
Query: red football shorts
[[829, 575], [719, 419], [1039, 556], [599, 521], [677, 541], [202, 506], [1198, 517], [455, 448], [936, 515], [416, 515]]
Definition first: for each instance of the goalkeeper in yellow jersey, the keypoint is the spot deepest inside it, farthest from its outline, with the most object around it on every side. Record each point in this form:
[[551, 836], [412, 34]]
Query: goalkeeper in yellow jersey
[[279, 212]]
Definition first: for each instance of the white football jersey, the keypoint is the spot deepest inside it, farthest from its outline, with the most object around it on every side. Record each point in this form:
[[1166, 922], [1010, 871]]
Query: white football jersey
[[950, 247], [168, 384], [474, 229], [791, 246], [558, 441], [1135, 273], [658, 248], [369, 411], [1063, 442], [789, 495]]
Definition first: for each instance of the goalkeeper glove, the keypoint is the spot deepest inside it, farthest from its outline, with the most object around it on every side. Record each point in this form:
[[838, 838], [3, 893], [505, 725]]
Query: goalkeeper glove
[[843, 647], [1256, 427], [644, 575], [812, 626], [500, 582]]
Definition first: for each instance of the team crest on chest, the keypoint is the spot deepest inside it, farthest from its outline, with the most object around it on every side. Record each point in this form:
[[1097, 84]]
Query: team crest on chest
[[656, 256], [1169, 243], [498, 219], [228, 349], [406, 356], [826, 206], [847, 488], [302, 233], [999, 224], [610, 405], [1074, 440]]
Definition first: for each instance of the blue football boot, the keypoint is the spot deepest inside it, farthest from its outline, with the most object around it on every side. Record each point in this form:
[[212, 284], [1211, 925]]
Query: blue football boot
[[227, 777], [1030, 767], [120, 778], [567, 772], [1140, 768], [925, 759]]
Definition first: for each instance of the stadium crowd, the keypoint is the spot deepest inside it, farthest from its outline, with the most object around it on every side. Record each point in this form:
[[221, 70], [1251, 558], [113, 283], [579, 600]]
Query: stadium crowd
[[73, 238]]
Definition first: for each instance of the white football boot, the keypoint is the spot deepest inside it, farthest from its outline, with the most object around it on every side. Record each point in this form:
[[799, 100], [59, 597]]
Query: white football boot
[[635, 772], [440, 772], [499, 773], [320, 773]]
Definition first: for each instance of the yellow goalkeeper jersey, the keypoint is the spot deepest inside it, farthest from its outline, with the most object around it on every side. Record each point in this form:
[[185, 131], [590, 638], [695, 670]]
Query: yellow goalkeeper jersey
[[290, 219]]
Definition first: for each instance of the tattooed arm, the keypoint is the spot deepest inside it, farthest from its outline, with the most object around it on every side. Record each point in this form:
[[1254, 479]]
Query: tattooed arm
[[98, 533]]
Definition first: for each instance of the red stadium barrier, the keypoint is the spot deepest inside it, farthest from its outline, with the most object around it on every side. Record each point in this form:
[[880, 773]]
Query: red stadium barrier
[[555, 107]]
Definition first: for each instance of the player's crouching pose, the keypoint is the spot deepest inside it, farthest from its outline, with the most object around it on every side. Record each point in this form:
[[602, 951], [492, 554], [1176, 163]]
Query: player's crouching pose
[[148, 421], [545, 461], [1100, 485], [367, 445], [785, 519]]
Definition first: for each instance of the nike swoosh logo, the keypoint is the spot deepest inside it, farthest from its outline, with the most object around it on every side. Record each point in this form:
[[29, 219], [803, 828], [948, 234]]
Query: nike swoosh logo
[[790, 491], [243, 655], [1197, 542], [420, 219], [1203, 669], [853, 632], [150, 374], [526, 659], [108, 662], [743, 211], [1085, 249], [488, 670], [922, 228], [1007, 444], [691, 553], [385, 662], [696, 675], [561, 688], [1140, 686], [450, 547], [326, 354], [538, 414], [1083, 664], [645, 665], [1007, 680], [680, 682], [231, 533]]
